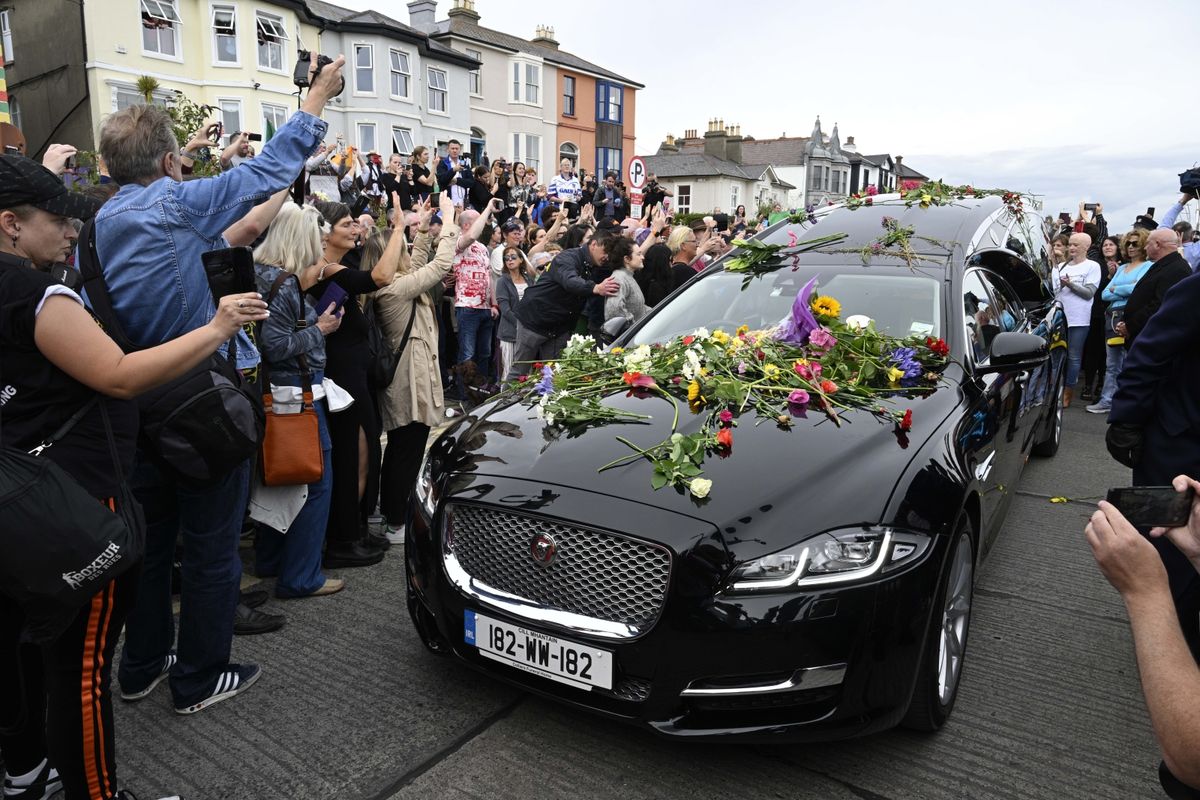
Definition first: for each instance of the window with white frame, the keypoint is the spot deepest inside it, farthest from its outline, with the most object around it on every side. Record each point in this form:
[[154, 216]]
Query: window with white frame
[[402, 141], [526, 83], [271, 36], [366, 136], [608, 159], [528, 148], [126, 96], [231, 118], [224, 22], [735, 197], [401, 73], [274, 118], [473, 80], [438, 89], [609, 102], [568, 107], [815, 183], [683, 198], [160, 27], [6, 34], [364, 69]]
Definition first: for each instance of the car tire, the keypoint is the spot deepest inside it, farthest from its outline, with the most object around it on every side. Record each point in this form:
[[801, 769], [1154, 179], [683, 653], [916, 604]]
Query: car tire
[[1048, 446], [940, 672]]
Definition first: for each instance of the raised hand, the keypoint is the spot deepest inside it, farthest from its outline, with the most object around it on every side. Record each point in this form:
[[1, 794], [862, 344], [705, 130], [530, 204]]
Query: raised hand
[[1187, 537]]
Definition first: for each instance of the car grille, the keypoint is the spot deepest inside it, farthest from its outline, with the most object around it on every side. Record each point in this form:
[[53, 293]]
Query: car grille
[[595, 574], [635, 690]]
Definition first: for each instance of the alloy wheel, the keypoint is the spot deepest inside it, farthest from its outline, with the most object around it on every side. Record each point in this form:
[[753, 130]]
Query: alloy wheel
[[956, 617]]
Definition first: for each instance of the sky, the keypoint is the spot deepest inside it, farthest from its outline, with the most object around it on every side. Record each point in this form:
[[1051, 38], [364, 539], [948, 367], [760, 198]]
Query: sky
[[1066, 101]]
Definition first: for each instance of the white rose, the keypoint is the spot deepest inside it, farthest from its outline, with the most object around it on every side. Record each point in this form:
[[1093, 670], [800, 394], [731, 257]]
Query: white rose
[[858, 322], [700, 487], [701, 333]]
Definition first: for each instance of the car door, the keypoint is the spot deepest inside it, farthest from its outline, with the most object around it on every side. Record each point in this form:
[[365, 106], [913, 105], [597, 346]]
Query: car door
[[981, 436], [1018, 415]]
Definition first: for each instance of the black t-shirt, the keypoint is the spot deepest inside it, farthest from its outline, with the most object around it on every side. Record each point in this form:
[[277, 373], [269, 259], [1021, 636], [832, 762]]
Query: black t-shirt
[[346, 348], [36, 397], [420, 189], [479, 195]]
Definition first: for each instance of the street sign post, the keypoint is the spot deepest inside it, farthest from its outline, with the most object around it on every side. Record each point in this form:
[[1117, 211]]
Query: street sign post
[[637, 173], [635, 203]]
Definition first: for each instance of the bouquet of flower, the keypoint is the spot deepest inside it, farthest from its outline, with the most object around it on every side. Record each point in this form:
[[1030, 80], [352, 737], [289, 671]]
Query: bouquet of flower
[[812, 362]]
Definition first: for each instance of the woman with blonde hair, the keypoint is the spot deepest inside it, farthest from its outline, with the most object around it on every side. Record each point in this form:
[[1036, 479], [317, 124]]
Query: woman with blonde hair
[[292, 343], [1116, 294], [687, 254], [413, 402]]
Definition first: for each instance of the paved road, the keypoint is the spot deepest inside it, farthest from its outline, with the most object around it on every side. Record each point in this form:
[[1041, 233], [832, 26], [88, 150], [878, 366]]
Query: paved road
[[351, 706]]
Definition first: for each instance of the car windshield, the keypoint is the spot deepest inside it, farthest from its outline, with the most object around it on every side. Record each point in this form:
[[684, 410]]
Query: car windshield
[[901, 302]]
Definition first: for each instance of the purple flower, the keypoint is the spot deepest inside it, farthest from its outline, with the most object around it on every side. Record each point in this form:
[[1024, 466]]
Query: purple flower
[[799, 397], [905, 358], [888, 222], [726, 416], [741, 368], [546, 384], [822, 339], [797, 328]]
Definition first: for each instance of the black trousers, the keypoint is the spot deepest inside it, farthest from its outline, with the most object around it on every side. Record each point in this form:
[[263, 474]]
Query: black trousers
[[401, 460], [44, 712]]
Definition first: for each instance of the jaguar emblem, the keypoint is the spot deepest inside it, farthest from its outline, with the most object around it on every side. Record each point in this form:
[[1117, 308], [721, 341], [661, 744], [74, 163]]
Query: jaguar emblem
[[543, 549]]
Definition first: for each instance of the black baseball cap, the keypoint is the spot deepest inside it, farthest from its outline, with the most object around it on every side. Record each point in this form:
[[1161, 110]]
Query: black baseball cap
[[24, 182]]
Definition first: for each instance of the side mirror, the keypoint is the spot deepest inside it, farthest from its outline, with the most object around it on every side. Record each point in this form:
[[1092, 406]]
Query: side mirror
[[614, 327], [1015, 352]]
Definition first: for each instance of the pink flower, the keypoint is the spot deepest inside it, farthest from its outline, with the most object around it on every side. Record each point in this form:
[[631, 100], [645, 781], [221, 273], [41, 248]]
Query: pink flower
[[741, 368], [803, 369], [822, 339], [816, 371], [798, 398], [726, 416], [792, 239], [871, 190]]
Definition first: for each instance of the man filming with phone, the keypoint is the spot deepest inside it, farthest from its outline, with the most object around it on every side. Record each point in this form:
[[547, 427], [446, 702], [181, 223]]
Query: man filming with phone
[[454, 173], [149, 241], [1170, 676]]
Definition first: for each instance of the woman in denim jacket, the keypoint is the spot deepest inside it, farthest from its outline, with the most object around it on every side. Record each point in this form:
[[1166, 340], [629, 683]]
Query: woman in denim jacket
[[293, 247]]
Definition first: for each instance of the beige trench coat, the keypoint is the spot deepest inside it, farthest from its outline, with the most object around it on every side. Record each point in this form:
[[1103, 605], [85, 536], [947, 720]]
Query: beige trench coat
[[415, 394]]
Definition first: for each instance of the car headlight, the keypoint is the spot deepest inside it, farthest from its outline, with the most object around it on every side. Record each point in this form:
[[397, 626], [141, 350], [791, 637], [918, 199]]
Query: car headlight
[[425, 488], [841, 556]]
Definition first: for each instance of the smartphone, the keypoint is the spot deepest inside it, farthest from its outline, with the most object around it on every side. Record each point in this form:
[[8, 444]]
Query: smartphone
[[1089, 207], [1150, 212], [229, 271], [334, 296], [1153, 506], [254, 137], [69, 163], [1064, 217], [497, 204], [214, 132]]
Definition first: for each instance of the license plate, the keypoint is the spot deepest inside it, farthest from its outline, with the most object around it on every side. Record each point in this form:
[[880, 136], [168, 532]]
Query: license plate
[[539, 653]]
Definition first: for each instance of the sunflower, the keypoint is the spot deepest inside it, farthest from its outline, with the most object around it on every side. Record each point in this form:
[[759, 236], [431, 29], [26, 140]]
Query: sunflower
[[693, 391], [826, 306]]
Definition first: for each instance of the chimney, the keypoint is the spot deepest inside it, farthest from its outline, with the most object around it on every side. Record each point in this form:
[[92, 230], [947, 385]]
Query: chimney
[[544, 35], [422, 14], [715, 138], [668, 146], [733, 144], [849, 146], [465, 9]]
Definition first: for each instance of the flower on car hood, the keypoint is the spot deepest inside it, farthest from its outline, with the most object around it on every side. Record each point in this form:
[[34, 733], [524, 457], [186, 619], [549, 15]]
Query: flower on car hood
[[700, 487], [801, 323]]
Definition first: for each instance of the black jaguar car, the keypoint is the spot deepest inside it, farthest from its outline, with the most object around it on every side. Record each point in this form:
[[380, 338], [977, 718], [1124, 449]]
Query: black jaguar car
[[647, 606]]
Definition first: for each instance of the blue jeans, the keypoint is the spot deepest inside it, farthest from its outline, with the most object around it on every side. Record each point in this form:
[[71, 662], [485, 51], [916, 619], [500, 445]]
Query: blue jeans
[[1113, 365], [1076, 338], [295, 557], [475, 337], [209, 521]]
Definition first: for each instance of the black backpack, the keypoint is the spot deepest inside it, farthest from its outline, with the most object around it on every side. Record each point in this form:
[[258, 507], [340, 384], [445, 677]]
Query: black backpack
[[198, 427]]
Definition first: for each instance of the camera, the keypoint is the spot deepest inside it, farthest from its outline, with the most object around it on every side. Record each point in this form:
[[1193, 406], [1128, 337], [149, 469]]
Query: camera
[[304, 61]]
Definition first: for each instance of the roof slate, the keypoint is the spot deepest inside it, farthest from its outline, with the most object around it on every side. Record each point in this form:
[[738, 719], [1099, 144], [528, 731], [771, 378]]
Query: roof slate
[[686, 165], [337, 14], [461, 26]]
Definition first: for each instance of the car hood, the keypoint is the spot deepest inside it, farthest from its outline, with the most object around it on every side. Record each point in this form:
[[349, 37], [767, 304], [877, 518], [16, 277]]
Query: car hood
[[774, 489]]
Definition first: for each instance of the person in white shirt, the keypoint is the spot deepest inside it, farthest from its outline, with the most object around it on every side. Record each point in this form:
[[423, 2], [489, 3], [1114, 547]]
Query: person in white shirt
[[1076, 282], [564, 187]]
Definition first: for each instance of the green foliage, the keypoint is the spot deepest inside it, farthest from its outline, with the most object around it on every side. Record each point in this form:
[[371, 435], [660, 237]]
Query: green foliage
[[686, 219], [146, 87]]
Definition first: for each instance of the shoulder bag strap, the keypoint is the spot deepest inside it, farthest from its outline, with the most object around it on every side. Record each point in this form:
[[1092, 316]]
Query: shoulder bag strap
[[66, 427], [96, 288], [305, 374], [408, 329]]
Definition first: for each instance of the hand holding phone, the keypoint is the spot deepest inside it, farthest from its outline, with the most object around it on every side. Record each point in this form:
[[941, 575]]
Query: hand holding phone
[[1187, 535], [333, 299]]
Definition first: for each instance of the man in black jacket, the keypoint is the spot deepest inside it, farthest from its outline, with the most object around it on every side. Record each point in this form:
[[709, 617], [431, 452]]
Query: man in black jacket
[[1154, 425], [1169, 269], [548, 312]]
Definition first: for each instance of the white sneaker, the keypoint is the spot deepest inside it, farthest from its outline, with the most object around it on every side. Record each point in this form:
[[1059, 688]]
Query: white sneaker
[[394, 535]]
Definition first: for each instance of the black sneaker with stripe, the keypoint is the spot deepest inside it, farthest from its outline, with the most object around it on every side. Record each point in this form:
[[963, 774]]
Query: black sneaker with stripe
[[39, 786], [235, 679], [168, 662]]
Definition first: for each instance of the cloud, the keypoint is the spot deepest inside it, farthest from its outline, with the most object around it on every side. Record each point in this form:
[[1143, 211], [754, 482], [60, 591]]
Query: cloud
[[1124, 183]]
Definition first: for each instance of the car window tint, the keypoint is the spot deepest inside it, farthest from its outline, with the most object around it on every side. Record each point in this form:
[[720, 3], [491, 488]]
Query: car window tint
[[978, 315]]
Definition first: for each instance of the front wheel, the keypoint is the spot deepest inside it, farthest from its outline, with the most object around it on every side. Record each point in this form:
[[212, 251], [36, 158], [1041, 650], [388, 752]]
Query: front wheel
[[1048, 446], [946, 646]]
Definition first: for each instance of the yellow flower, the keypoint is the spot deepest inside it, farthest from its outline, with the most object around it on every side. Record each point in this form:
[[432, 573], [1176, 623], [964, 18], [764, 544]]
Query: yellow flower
[[703, 371], [894, 375], [926, 199], [826, 306], [771, 371], [742, 329], [694, 391], [720, 336], [617, 350]]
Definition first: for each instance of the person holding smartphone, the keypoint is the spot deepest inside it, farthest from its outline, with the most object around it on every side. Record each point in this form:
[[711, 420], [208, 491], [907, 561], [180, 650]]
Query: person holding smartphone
[[1132, 250], [1169, 673]]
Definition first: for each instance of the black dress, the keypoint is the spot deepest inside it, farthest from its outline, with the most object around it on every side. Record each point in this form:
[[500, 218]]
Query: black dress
[[420, 190], [347, 364]]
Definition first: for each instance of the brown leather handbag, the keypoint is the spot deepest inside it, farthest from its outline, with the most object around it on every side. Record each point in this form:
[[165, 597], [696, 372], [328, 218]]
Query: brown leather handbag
[[291, 447]]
